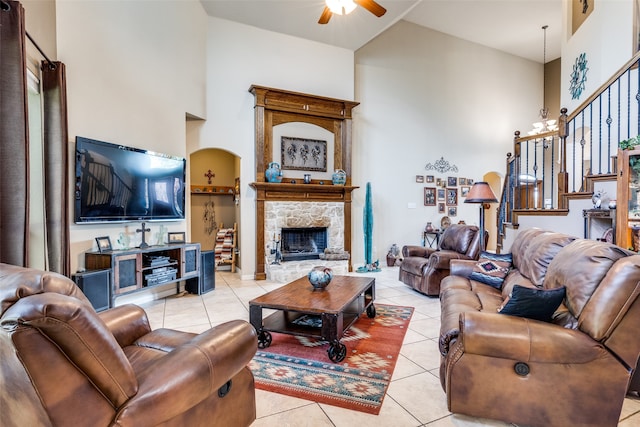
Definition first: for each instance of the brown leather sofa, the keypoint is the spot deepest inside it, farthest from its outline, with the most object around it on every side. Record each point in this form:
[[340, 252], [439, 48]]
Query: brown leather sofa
[[63, 364], [423, 268], [574, 369]]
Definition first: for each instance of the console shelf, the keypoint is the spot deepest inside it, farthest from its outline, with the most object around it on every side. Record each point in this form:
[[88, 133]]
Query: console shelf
[[132, 270]]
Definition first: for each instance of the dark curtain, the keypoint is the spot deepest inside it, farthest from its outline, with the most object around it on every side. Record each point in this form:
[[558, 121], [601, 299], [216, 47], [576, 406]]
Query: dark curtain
[[14, 136], [56, 184]]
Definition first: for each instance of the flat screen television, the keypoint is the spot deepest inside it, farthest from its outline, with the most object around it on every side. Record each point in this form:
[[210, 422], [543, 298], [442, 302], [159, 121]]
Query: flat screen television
[[118, 183]]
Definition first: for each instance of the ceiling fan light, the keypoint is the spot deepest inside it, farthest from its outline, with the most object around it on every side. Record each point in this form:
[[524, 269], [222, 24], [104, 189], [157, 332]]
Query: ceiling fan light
[[341, 7]]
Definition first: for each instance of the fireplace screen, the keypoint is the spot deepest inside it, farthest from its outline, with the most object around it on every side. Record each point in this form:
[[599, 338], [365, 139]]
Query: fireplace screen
[[303, 243]]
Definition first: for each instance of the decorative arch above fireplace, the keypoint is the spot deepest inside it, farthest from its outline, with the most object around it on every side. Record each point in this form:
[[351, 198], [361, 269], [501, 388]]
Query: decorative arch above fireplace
[[274, 107]]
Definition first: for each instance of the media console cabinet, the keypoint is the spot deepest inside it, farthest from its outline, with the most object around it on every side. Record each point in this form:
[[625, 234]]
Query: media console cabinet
[[135, 270]]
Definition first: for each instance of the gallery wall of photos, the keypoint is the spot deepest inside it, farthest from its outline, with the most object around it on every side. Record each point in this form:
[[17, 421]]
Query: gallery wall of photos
[[445, 193]]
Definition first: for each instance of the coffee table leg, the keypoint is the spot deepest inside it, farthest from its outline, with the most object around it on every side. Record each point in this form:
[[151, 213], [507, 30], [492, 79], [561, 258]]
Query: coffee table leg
[[371, 311], [255, 318], [337, 351]]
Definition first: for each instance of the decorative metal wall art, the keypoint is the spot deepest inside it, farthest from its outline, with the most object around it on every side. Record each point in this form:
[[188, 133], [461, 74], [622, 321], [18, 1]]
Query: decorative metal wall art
[[578, 76], [304, 154], [441, 166]]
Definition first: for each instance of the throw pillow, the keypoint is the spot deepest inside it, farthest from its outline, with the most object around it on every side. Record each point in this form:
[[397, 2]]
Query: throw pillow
[[537, 304], [491, 269]]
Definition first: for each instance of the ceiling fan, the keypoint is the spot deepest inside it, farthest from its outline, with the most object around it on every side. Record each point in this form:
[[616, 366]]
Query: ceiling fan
[[344, 7]]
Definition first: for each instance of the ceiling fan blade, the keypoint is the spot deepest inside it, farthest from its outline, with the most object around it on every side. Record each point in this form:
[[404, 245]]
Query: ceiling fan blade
[[372, 7], [326, 15]]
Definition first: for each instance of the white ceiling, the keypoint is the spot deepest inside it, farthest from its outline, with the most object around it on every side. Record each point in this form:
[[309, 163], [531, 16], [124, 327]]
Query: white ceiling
[[513, 26]]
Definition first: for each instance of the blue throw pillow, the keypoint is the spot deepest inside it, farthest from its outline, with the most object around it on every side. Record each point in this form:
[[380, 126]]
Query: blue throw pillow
[[491, 269], [537, 304]]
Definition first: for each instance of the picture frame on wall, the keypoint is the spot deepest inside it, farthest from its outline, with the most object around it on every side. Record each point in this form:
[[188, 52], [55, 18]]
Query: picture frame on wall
[[464, 190], [462, 181], [452, 181], [441, 208], [303, 154], [419, 178], [452, 197], [429, 178], [453, 211], [176, 237], [104, 244], [429, 196], [438, 182], [442, 194]]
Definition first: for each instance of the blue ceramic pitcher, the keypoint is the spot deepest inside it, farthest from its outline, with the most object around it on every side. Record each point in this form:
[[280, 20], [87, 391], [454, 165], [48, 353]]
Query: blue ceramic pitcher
[[273, 172]]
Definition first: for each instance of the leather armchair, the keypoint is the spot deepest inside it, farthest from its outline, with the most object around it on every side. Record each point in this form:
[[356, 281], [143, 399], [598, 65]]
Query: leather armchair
[[423, 268], [64, 364]]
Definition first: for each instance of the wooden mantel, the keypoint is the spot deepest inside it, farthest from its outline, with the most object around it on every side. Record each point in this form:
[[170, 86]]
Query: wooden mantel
[[276, 106]]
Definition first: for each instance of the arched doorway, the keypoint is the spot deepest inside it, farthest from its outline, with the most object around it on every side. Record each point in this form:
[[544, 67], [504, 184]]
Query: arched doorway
[[214, 176]]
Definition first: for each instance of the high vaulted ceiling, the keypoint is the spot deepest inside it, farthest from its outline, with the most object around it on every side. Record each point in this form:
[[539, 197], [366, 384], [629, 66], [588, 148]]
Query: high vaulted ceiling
[[513, 26]]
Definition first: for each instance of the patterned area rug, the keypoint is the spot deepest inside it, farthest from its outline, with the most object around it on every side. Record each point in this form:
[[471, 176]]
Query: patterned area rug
[[300, 366]]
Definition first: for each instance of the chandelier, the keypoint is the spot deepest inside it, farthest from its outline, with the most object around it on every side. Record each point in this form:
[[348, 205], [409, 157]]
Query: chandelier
[[544, 125]]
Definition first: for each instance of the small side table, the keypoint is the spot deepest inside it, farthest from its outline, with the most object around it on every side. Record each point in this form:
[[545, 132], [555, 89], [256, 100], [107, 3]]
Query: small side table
[[431, 237]]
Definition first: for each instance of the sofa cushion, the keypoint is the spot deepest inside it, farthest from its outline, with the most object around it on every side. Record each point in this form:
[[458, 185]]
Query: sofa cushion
[[491, 269], [537, 304]]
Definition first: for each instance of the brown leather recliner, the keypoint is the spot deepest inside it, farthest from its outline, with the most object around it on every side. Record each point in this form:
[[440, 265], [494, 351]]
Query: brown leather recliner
[[423, 268], [63, 364]]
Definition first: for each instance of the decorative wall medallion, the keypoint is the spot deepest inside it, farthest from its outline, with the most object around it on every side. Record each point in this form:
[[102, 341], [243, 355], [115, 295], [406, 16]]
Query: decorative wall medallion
[[578, 76], [441, 166]]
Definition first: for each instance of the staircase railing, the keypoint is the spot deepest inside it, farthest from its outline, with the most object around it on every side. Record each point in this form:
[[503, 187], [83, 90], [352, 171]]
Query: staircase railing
[[547, 169]]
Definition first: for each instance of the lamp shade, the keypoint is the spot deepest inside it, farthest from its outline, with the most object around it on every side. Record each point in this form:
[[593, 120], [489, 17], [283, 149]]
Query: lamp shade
[[481, 192]]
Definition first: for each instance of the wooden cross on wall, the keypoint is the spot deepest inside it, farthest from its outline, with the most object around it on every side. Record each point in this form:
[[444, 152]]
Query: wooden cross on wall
[[209, 175]]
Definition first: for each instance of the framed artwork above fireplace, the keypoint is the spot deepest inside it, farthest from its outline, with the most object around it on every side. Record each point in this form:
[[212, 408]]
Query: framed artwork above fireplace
[[303, 154]]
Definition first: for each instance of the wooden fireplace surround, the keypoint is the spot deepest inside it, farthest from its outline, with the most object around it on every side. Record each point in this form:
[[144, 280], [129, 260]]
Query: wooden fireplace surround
[[274, 107]]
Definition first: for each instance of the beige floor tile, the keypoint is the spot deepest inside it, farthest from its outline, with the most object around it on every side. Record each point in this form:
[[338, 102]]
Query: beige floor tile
[[306, 416], [391, 414], [421, 395], [423, 353], [268, 403], [456, 420], [405, 368], [429, 327]]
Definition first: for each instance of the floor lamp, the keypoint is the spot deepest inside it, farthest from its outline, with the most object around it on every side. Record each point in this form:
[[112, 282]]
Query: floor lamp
[[481, 193]]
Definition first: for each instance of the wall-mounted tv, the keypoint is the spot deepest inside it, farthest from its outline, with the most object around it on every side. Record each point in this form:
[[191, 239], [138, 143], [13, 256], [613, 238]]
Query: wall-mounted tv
[[118, 183]]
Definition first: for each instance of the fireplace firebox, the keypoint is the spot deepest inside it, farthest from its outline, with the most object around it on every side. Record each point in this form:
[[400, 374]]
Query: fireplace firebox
[[303, 243]]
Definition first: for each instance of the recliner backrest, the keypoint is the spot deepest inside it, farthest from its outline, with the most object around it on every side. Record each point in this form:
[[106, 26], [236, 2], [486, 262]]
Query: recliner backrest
[[458, 238], [603, 283]]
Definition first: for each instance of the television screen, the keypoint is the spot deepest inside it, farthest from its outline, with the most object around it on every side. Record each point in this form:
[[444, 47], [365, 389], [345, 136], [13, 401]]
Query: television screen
[[118, 183]]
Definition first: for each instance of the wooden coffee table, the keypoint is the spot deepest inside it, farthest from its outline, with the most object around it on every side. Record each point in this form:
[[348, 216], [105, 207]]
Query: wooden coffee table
[[325, 314]]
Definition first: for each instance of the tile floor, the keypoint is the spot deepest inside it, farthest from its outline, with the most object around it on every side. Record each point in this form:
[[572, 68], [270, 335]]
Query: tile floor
[[414, 397]]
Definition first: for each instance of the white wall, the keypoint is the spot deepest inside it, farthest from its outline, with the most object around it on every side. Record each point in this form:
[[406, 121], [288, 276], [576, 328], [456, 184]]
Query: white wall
[[426, 95], [134, 69], [606, 37], [239, 56]]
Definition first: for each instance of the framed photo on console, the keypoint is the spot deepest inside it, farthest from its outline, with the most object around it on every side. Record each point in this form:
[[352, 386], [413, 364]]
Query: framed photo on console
[[177, 237], [104, 244]]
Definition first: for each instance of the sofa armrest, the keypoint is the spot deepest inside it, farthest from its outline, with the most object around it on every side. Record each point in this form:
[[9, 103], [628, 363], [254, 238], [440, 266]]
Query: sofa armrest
[[419, 251], [442, 259], [462, 267], [517, 338], [192, 371], [127, 323]]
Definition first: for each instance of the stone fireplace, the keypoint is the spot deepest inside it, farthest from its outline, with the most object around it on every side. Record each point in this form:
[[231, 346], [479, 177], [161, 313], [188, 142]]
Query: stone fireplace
[[292, 203], [304, 220]]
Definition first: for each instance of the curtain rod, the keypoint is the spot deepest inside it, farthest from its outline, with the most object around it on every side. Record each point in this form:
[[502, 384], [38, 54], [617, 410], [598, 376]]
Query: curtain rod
[[4, 6], [52, 66]]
